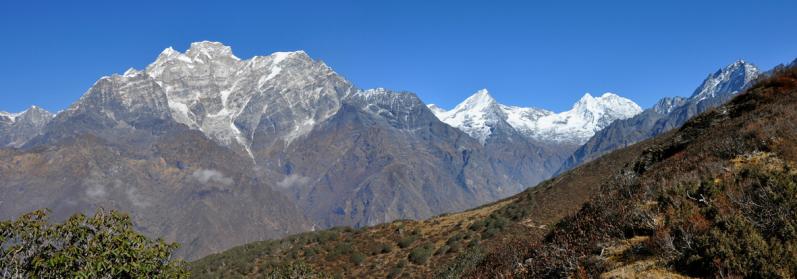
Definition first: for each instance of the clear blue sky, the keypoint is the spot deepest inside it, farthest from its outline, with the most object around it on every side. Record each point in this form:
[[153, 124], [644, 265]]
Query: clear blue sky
[[530, 54]]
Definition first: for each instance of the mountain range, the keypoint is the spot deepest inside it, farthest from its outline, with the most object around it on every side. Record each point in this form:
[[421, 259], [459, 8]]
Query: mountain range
[[668, 113], [213, 151], [713, 198]]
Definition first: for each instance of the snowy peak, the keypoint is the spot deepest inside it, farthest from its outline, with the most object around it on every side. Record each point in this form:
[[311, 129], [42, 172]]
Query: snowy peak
[[606, 102], [211, 90], [18, 128], [476, 116], [588, 115], [729, 80], [8, 116], [480, 114], [437, 110], [210, 50], [479, 101], [33, 112], [130, 98], [402, 110], [283, 55]]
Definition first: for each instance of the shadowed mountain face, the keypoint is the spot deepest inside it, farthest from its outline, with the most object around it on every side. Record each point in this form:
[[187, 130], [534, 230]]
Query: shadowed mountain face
[[668, 113]]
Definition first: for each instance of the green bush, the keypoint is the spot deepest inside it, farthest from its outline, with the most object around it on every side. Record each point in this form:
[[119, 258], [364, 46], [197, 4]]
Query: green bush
[[459, 266], [341, 249], [357, 258], [294, 270], [421, 254], [754, 235], [324, 236], [100, 246], [407, 241], [394, 272], [385, 248]]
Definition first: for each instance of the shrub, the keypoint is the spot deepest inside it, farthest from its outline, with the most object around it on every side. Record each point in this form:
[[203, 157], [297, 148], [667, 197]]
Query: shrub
[[461, 264], [310, 252], [357, 258], [294, 270], [324, 236], [421, 254], [407, 241], [341, 249], [100, 246], [385, 248]]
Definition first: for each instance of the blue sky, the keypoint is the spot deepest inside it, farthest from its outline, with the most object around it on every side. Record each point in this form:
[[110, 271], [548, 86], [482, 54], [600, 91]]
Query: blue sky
[[530, 53]]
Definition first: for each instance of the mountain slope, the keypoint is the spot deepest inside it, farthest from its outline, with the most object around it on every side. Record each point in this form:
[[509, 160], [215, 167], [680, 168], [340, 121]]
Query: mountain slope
[[365, 175], [668, 113], [714, 197]]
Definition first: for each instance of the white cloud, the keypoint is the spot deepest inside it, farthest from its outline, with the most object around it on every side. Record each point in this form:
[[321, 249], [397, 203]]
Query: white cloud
[[135, 198], [293, 180], [206, 176], [96, 191]]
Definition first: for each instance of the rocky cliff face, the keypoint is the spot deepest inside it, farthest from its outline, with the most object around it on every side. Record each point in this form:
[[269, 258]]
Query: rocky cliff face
[[253, 105], [16, 129]]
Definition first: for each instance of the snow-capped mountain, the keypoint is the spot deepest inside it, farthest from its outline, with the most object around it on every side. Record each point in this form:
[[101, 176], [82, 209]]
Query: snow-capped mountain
[[476, 116], [668, 113], [235, 102], [275, 97], [728, 80], [479, 114]]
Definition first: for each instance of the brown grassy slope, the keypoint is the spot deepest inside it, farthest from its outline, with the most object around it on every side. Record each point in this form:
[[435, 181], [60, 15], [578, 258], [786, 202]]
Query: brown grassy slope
[[716, 198]]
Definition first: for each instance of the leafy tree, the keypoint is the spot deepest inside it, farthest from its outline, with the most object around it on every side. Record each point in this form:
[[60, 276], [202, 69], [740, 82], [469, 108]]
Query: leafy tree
[[100, 246]]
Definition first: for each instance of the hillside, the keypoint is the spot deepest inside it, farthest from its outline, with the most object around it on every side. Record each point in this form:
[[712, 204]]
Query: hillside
[[714, 198]]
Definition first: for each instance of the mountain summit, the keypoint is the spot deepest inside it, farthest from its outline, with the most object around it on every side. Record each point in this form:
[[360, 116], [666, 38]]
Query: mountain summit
[[17, 128], [479, 114]]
